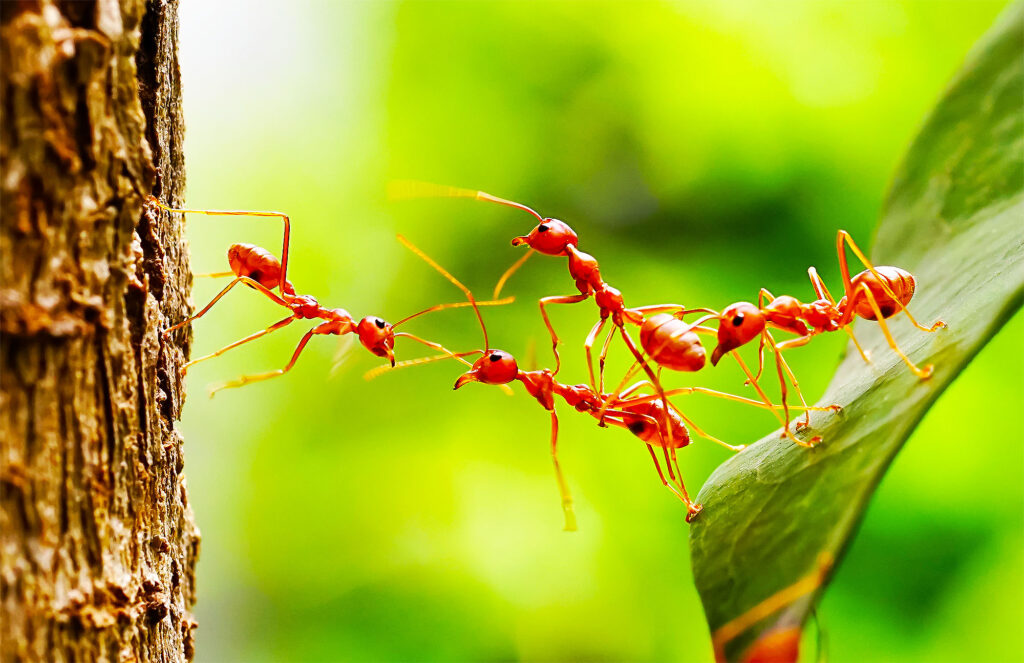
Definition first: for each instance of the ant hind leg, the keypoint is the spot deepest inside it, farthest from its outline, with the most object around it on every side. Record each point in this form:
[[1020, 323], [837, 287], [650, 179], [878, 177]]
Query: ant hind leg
[[925, 372], [247, 379]]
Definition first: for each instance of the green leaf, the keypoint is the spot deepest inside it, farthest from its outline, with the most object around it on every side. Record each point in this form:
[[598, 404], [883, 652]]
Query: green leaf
[[955, 219]]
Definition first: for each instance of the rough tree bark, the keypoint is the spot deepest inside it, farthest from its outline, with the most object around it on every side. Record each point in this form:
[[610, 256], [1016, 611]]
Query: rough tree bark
[[97, 541]]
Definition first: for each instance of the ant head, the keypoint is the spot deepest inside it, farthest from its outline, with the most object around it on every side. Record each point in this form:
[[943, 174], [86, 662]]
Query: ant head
[[377, 336], [550, 237], [494, 367], [737, 325]]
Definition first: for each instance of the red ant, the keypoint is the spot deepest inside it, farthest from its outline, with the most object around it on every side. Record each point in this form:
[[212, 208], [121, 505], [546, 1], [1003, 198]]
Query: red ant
[[259, 269], [645, 416], [876, 293], [664, 338]]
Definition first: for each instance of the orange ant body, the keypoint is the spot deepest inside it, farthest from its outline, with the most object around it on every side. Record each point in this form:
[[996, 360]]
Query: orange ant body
[[875, 294], [259, 269], [654, 419], [661, 338], [664, 337], [644, 416]]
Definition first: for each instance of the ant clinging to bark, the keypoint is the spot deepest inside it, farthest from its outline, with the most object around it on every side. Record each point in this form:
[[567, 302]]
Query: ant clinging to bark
[[259, 269]]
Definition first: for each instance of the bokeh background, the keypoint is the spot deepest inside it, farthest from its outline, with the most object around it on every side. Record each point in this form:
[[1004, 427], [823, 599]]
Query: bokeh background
[[701, 150]]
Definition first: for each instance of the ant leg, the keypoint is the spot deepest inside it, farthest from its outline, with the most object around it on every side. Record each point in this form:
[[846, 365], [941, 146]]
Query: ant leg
[[241, 279], [697, 429], [588, 345], [659, 308], [567, 299], [863, 353], [625, 393], [679, 391], [675, 485], [563, 485], [284, 217], [214, 275], [252, 337], [246, 379], [602, 357], [510, 271], [763, 297], [923, 373], [820, 289], [656, 382], [844, 237], [796, 385], [785, 430]]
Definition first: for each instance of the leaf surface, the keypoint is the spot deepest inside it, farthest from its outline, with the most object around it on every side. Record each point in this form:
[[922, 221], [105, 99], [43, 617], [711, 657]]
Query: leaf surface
[[955, 219]]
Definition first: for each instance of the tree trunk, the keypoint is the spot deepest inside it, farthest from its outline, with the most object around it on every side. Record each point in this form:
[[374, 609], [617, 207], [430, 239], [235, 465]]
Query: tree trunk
[[97, 541]]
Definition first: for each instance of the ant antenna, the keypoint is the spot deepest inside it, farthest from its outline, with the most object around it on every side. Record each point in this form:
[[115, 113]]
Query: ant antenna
[[404, 189], [458, 284], [441, 307]]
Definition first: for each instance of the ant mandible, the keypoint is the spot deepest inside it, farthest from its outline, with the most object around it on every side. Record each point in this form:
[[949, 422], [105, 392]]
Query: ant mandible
[[259, 269], [875, 294]]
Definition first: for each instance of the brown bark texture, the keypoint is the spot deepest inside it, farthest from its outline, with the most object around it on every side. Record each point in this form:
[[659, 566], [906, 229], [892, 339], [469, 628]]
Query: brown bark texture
[[98, 544]]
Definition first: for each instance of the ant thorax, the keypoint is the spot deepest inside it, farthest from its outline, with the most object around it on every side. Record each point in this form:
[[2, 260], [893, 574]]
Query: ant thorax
[[822, 315], [583, 268], [609, 299], [304, 306], [786, 313]]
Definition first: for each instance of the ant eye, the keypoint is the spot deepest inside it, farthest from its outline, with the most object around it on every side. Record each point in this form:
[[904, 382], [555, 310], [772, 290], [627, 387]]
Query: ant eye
[[637, 427], [380, 323], [542, 228], [738, 320], [495, 357]]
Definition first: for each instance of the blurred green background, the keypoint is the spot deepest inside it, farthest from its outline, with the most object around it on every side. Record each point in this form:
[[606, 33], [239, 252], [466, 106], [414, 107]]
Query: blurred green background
[[701, 150]]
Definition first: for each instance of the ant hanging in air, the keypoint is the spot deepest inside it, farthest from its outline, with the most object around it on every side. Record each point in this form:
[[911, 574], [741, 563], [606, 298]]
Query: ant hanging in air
[[259, 269], [875, 294]]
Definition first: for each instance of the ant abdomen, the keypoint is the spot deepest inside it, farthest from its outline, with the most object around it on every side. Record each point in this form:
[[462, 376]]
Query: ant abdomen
[[256, 263], [644, 428], [898, 281], [672, 344]]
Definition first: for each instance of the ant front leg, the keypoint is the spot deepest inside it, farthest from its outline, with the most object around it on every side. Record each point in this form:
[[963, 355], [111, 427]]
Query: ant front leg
[[843, 238], [563, 485], [764, 397], [567, 299]]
